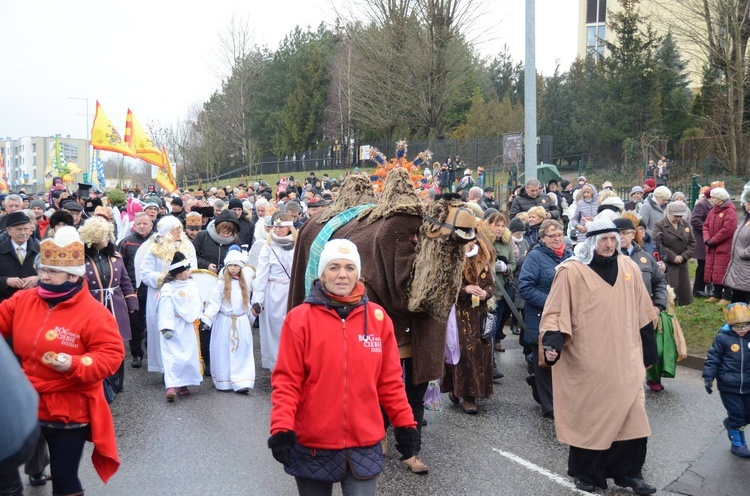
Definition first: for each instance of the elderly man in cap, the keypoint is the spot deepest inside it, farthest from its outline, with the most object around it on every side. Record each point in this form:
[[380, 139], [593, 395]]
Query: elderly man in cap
[[598, 370], [17, 255], [12, 203], [76, 210], [151, 206], [636, 199]]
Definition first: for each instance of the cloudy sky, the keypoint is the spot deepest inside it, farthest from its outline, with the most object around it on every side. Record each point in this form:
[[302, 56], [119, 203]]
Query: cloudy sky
[[158, 56]]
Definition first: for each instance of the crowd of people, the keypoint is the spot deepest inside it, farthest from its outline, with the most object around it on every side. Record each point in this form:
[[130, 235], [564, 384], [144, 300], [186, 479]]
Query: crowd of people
[[183, 279]]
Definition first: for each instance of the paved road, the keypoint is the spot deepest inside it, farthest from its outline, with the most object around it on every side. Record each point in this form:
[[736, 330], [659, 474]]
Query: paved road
[[215, 443]]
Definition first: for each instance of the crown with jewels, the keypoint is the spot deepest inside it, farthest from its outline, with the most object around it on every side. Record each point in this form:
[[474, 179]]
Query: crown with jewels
[[54, 255]]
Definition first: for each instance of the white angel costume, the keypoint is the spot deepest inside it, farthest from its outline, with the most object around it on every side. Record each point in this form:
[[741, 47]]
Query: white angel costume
[[271, 290], [151, 271], [232, 360], [178, 307]]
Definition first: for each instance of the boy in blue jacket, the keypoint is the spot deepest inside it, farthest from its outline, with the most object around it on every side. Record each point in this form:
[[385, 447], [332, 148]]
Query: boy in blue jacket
[[729, 363]]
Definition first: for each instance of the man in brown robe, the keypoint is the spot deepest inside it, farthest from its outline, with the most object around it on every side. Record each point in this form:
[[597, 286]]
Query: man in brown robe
[[600, 362]]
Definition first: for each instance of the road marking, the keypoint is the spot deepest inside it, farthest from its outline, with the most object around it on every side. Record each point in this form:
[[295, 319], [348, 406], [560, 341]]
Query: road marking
[[543, 471]]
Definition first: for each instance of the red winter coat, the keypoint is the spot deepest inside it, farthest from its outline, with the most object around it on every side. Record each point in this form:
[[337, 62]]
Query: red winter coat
[[86, 330], [719, 229], [331, 377]]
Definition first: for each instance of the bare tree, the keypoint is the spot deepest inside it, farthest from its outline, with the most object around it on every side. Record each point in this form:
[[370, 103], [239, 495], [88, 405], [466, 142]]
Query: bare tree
[[239, 62], [717, 32]]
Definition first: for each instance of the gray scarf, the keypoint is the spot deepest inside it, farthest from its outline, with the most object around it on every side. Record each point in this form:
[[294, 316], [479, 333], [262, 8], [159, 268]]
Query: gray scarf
[[219, 239], [285, 242]]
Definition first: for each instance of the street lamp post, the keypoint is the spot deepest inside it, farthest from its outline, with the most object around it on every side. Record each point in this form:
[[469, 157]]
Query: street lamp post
[[86, 134], [530, 93]]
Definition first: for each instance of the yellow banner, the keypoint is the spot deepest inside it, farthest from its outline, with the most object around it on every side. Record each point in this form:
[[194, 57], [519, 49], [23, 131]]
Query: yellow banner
[[104, 136], [165, 177], [139, 141]]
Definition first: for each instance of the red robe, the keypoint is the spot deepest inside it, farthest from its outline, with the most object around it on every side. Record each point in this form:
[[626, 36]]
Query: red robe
[[86, 330]]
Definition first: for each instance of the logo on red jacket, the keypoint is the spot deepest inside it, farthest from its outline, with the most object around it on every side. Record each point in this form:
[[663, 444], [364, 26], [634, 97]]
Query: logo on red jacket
[[378, 314], [372, 342], [64, 335]]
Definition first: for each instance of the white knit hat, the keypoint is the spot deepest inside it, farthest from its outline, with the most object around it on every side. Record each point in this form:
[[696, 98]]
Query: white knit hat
[[166, 224], [339, 249], [64, 252], [235, 257]]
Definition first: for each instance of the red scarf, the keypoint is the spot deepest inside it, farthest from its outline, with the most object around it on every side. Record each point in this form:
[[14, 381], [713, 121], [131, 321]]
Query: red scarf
[[560, 252], [353, 298]]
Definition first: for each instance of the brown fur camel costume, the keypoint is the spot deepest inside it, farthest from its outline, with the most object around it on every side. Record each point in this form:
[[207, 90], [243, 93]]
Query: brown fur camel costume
[[410, 265]]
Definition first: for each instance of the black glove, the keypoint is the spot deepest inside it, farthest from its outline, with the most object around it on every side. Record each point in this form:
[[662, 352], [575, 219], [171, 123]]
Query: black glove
[[709, 244], [709, 385], [281, 445], [258, 309], [204, 327], [554, 340], [406, 441]]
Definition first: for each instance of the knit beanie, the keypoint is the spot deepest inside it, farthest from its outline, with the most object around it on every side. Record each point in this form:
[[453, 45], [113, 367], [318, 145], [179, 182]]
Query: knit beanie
[[235, 256], [339, 249], [235, 203], [516, 225], [720, 193], [38, 203]]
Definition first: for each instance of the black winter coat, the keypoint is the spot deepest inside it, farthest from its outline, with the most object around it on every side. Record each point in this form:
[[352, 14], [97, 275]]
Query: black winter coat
[[654, 279], [726, 362], [209, 251], [128, 247], [10, 266], [522, 203], [247, 227]]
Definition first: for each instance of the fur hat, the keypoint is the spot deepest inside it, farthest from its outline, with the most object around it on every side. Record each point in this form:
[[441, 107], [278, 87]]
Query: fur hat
[[180, 263], [720, 193], [64, 252], [337, 249], [745, 198], [662, 193], [235, 256]]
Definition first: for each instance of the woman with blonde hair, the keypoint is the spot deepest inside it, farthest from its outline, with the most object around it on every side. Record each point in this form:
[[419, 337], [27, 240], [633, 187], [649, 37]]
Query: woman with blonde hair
[[271, 285], [153, 260], [108, 280], [471, 377]]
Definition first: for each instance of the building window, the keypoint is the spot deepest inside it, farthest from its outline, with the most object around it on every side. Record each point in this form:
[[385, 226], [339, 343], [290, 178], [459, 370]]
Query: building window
[[596, 16], [33, 148]]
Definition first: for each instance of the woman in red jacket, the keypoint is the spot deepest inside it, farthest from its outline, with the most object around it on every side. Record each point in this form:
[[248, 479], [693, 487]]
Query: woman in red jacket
[[337, 364], [67, 343], [718, 231]]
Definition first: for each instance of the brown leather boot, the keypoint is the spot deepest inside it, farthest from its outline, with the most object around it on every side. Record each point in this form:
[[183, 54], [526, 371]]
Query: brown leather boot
[[416, 465]]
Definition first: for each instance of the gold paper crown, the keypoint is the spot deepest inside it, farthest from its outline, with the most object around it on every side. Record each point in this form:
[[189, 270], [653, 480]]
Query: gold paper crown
[[54, 255], [737, 313], [194, 220]]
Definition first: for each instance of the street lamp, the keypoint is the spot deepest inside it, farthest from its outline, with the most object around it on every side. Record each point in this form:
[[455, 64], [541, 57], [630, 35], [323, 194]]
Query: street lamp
[[86, 134]]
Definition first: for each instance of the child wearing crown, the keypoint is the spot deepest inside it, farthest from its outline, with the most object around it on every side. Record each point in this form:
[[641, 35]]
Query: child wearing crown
[[178, 307], [725, 363]]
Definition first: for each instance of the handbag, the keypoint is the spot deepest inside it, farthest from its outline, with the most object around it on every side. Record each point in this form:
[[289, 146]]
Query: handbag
[[452, 351], [109, 390], [489, 321]]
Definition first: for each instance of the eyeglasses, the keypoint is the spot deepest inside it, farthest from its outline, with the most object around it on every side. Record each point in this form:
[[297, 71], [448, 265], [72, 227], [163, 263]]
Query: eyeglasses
[[627, 232], [554, 236], [44, 271], [741, 327]]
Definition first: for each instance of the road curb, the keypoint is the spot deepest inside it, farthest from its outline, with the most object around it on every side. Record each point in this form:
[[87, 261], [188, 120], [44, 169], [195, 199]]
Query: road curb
[[693, 362]]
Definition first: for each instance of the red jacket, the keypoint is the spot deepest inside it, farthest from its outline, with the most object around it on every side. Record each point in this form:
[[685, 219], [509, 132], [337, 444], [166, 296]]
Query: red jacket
[[83, 328], [330, 378], [719, 227]]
